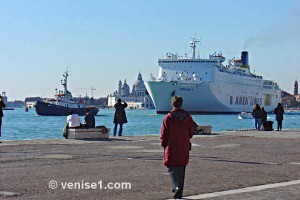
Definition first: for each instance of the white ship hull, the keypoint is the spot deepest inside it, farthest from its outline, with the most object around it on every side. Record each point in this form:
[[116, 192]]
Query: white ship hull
[[227, 94]]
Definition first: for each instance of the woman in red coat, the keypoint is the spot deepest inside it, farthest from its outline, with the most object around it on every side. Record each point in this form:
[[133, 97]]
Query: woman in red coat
[[177, 129]]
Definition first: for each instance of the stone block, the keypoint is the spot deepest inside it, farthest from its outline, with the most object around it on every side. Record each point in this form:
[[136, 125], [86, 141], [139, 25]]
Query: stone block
[[91, 133]]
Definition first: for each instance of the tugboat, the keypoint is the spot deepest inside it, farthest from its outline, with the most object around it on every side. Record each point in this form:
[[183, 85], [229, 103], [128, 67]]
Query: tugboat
[[63, 103]]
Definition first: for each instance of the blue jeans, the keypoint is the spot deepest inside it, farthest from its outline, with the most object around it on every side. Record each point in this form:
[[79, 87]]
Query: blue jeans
[[120, 129], [257, 123]]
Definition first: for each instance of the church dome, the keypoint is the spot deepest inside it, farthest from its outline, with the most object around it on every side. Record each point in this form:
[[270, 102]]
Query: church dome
[[125, 88], [139, 83]]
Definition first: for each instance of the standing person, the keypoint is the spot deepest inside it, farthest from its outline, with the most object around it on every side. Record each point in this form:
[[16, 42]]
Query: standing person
[[176, 132], [2, 105], [264, 118], [257, 115], [120, 116], [73, 120], [279, 111], [89, 119], [264, 115]]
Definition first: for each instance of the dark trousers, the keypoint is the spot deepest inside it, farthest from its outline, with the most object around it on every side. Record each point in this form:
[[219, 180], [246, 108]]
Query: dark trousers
[[177, 175], [0, 125], [279, 125], [120, 129]]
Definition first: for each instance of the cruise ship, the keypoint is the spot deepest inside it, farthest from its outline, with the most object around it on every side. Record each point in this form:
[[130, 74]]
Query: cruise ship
[[209, 86]]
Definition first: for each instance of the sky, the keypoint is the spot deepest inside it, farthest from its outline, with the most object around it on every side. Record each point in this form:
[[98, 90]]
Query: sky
[[103, 41]]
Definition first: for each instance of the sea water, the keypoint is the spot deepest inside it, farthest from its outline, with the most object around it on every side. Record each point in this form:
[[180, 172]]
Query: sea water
[[20, 125]]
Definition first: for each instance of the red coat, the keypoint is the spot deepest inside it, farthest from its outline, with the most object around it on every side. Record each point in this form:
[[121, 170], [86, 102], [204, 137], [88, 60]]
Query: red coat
[[177, 129]]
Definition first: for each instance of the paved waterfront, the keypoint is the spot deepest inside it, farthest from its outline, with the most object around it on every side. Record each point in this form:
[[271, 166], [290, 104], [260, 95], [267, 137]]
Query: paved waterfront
[[228, 165]]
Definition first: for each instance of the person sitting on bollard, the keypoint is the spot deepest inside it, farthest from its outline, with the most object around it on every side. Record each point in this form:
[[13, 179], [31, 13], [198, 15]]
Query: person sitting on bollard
[[89, 119], [73, 121]]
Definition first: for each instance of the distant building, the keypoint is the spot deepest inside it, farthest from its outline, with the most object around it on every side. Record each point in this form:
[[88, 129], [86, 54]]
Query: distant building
[[30, 101], [16, 104], [137, 98], [287, 99], [297, 97], [11, 104], [296, 88], [4, 97]]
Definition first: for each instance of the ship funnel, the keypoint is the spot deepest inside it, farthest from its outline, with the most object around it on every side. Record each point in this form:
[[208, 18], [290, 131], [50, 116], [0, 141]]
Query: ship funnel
[[245, 59]]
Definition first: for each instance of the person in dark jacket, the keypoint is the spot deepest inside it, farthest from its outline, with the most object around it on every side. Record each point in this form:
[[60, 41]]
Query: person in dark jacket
[[89, 119], [264, 118], [264, 115], [257, 115], [120, 116], [2, 105], [176, 132], [279, 111]]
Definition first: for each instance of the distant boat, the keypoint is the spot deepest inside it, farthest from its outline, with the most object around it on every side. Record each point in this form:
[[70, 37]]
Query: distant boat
[[7, 108], [245, 115], [63, 103], [292, 112]]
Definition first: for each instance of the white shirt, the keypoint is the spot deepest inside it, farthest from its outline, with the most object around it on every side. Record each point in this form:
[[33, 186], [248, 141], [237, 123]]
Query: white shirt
[[73, 120]]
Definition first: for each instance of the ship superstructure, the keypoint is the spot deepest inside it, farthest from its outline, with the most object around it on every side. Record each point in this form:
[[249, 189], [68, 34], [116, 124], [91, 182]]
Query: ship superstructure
[[208, 86]]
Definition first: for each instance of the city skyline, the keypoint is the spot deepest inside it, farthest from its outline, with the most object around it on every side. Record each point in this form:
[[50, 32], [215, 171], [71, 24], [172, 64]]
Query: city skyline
[[102, 42]]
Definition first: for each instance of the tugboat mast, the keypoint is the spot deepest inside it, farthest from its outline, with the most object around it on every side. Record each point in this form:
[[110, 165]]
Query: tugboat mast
[[64, 83]]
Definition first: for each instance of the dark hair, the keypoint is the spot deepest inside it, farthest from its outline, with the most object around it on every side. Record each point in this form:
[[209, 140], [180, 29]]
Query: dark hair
[[87, 110], [119, 100], [70, 112], [177, 102]]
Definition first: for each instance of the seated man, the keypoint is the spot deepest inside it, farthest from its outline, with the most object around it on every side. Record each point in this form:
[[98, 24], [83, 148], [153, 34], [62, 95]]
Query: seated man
[[89, 119], [73, 120]]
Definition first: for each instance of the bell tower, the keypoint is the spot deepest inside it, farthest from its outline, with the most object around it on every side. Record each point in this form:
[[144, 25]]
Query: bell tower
[[296, 87]]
